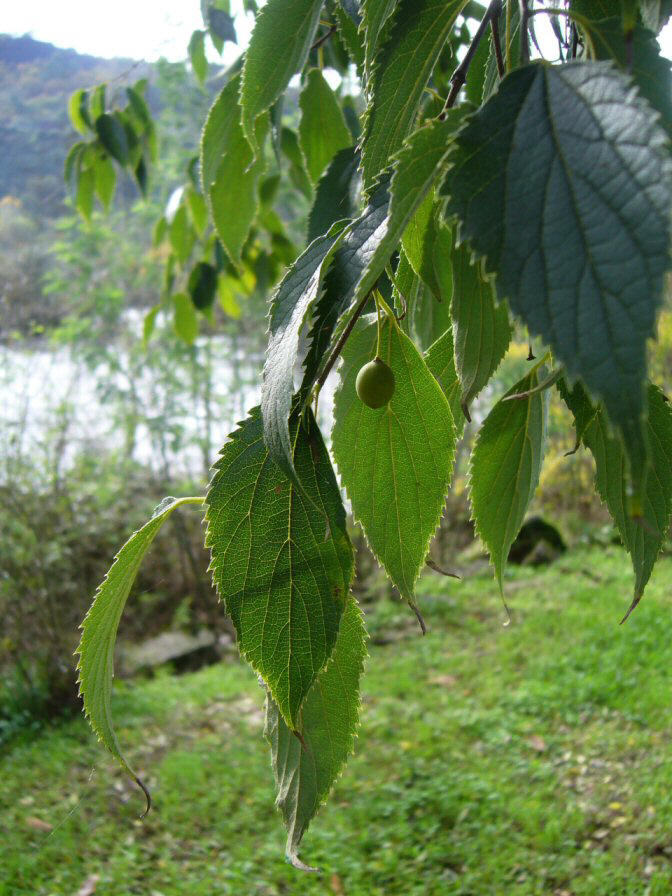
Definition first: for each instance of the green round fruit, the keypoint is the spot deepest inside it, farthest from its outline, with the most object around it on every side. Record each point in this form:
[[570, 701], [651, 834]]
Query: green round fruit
[[375, 384]]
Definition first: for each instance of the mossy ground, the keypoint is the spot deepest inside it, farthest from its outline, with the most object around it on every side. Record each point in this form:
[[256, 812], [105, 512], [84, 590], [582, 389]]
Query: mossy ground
[[533, 759]]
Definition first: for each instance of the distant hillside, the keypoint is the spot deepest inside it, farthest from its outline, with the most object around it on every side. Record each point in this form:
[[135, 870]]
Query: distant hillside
[[36, 80]]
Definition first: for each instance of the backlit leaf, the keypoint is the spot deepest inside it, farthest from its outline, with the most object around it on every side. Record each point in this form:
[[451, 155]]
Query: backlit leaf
[[504, 469], [395, 462], [402, 68], [305, 770], [322, 131], [481, 329], [99, 631], [281, 565], [283, 33]]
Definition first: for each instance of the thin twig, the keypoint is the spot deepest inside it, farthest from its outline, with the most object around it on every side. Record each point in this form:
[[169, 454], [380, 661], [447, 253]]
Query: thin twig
[[524, 42], [460, 74], [325, 37], [341, 342], [496, 42]]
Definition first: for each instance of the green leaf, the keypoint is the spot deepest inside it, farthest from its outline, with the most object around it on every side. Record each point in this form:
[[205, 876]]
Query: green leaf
[[402, 68], [395, 463], [106, 180], [73, 160], [86, 183], [418, 242], [181, 234], [229, 174], [199, 211], [203, 285], [283, 33], [574, 221], [305, 770], [581, 407], [290, 305], [335, 194], [112, 135], [643, 539], [97, 102], [99, 631], [373, 237], [640, 57], [78, 112], [481, 329], [197, 56], [504, 469], [185, 321], [440, 359], [348, 19], [374, 15], [282, 566], [322, 131], [149, 323]]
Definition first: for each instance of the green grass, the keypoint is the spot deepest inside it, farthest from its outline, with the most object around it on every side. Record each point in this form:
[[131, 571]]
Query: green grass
[[533, 759]]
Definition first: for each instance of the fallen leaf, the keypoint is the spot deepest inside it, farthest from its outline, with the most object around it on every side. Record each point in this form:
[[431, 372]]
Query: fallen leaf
[[37, 824], [89, 885], [537, 743]]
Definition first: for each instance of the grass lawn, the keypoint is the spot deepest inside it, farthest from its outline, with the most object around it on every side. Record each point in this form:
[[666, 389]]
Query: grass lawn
[[533, 759]]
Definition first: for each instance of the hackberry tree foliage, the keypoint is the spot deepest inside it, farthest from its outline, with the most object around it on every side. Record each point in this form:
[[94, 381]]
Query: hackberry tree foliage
[[466, 185]]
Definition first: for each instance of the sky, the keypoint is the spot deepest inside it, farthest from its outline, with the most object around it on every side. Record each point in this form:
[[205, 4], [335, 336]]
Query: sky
[[137, 29]]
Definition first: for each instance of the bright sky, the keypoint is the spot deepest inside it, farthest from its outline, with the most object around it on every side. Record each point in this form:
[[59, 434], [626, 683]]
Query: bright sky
[[138, 29]]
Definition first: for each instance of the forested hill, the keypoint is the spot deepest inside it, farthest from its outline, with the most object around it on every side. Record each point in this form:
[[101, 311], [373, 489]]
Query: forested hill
[[36, 79]]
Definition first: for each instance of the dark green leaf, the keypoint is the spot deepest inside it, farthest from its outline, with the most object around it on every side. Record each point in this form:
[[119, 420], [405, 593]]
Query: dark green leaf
[[203, 285], [481, 329], [401, 71], [643, 539], [640, 56], [504, 469], [370, 242], [279, 46], [221, 24], [112, 135], [347, 17], [335, 194], [322, 131], [569, 204], [277, 559], [305, 770]]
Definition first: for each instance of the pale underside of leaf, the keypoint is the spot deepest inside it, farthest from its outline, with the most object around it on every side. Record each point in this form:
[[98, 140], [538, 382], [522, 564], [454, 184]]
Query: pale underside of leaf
[[281, 558], [395, 463], [290, 305], [305, 769]]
